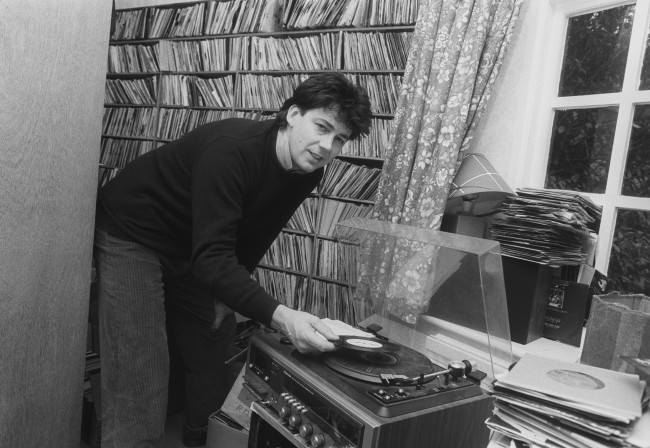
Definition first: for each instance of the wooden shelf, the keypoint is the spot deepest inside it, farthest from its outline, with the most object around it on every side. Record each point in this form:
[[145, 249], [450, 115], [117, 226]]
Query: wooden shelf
[[282, 33]]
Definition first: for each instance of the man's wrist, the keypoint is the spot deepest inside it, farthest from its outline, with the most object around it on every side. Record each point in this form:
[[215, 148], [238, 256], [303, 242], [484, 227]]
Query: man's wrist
[[278, 319]]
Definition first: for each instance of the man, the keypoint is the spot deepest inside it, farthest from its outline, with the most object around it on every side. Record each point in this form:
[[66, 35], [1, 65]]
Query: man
[[183, 226]]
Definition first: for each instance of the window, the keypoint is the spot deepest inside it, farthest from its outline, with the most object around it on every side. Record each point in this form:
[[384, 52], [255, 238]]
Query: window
[[593, 125]]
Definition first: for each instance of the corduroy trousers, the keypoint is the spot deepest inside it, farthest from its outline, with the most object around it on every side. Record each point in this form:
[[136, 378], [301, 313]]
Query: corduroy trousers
[[142, 299]]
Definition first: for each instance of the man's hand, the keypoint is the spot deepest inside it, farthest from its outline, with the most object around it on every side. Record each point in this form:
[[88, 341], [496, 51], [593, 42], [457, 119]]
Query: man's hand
[[306, 331]]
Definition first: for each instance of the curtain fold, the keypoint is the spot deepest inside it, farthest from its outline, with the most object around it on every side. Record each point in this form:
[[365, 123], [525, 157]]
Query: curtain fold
[[454, 58]]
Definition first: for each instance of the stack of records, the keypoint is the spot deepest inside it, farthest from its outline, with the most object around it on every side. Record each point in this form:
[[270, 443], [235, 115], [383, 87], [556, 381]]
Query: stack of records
[[546, 226], [548, 403]]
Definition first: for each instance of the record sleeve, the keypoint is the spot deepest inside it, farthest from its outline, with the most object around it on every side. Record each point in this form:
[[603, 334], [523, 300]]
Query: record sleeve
[[602, 392]]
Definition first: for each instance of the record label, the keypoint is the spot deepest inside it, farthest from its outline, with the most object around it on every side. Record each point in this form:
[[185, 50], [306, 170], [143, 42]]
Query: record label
[[364, 344]]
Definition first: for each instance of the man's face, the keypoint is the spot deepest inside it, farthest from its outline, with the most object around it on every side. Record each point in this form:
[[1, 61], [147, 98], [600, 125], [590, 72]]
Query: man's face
[[315, 137]]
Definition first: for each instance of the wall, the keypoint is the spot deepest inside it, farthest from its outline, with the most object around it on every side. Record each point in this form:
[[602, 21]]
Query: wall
[[502, 134], [52, 76]]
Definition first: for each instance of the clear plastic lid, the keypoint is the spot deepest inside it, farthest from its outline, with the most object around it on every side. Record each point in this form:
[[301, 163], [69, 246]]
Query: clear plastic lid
[[440, 293]]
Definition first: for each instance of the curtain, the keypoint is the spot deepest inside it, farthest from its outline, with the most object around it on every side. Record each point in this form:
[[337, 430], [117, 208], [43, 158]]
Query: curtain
[[454, 58], [455, 55]]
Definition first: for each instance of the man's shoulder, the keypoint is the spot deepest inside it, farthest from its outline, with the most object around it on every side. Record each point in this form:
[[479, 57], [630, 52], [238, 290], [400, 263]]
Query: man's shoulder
[[234, 141], [238, 129]]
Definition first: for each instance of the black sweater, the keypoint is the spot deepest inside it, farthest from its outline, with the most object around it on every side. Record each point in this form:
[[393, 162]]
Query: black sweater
[[217, 197]]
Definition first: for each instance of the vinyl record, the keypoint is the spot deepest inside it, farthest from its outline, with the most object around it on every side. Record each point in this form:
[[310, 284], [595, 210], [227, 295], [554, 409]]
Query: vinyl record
[[368, 365], [365, 344]]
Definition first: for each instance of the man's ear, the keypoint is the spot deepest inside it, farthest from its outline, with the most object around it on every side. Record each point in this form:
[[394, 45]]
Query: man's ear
[[293, 112]]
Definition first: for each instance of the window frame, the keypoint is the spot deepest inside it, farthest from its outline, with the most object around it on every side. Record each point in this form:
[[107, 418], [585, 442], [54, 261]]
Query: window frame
[[547, 64]]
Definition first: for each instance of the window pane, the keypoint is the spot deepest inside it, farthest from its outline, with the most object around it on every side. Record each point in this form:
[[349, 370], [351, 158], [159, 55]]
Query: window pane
[[581, 146], [644, 83], [636, 181], [596, 50], [629, 264]]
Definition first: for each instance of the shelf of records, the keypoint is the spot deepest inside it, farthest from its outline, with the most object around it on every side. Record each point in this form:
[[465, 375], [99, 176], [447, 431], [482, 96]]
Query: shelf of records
[[250, 16], [246, 90], [129, 132], [307, 245], [306, 255], [373, 49], [322, 298]]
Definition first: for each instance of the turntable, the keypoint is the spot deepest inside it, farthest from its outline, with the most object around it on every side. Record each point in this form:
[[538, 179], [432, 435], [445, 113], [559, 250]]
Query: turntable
[[416, 382], [374, 360], [363, 398]]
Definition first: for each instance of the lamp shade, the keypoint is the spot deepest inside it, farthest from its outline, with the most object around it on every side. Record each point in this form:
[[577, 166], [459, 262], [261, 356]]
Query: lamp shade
[[476, 183]]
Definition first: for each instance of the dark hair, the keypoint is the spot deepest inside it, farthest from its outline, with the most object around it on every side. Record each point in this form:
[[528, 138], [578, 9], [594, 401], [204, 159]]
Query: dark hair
[[332, 91]]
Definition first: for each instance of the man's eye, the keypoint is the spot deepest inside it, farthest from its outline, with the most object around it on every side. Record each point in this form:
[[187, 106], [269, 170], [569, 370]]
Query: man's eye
[[341, 140], [321, 127]]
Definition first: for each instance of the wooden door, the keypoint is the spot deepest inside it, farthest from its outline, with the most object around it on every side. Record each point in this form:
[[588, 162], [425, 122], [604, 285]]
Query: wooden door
[[52, 72]]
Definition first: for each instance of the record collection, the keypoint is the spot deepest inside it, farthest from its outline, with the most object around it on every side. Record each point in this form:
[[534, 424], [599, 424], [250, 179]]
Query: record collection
[[176, 22], [323, 297], [187, 90], [384, 51], [249, 16], [290, 251], [373, 145], [330, 212], [185, 55], [546, 226], [132, 59], [318, 13], [549, 403], [129, 121], [314, 52], [336, 260], [329, 299], [131, 91], [304, 217], [347, 180]]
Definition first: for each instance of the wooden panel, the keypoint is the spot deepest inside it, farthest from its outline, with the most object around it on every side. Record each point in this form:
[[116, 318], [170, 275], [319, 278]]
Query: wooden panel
[[456, 425], [52, 75]]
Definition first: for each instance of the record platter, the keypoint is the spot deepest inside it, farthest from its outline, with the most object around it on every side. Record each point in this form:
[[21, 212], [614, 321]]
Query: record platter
[[376, 360], [369, 393]]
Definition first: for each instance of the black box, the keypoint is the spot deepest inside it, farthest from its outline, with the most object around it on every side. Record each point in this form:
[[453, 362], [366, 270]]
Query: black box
[[565, 311], [527, 289]]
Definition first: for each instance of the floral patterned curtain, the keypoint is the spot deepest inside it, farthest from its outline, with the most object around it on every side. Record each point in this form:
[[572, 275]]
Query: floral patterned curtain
[[454, 58], [455, 55]]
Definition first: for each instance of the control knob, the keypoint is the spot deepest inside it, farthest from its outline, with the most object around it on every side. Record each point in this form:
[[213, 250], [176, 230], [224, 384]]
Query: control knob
[[306, 430], [294, 421], [284, 412], [317, 440]]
